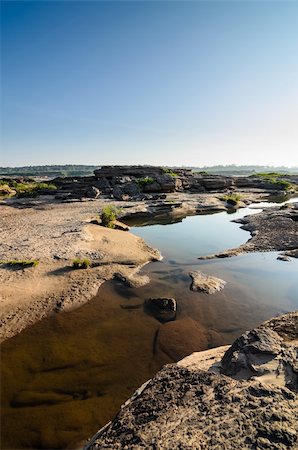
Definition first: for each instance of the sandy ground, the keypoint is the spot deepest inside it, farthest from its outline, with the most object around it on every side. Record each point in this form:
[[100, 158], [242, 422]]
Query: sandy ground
[[55, 234]]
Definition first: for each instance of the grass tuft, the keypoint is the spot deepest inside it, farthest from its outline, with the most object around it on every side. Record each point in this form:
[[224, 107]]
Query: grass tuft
[[81, 263], [21, 263], [170, 172], [231, 199]]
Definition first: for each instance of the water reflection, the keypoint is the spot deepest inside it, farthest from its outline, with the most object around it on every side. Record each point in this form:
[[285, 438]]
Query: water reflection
[[66, 376]]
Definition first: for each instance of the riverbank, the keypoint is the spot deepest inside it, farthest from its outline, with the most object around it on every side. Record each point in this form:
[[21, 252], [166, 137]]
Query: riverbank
[[55, 233]]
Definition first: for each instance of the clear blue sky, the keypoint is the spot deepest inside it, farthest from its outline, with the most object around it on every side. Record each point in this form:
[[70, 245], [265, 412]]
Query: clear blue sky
[[176, 83]]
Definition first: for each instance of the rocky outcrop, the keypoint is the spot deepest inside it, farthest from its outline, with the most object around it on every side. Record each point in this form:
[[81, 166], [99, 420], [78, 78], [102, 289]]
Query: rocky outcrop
[[185, 407], [269, 353], [205, 283], [137, 182]]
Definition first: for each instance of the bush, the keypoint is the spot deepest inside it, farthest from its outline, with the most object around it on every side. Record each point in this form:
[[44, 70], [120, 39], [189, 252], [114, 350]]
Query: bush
[[28, 188], [146, 180], [81, 263], [231, 199], [275, 179], [170, 172], [108, 215], [21, 263]]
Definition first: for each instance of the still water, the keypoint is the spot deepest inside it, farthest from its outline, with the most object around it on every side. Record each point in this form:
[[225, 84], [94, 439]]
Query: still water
[[66, 376]]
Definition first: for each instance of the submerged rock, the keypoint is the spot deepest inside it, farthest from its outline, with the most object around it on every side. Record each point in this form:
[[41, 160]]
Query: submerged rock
[[180, 338], [163, 308], [205, 283]]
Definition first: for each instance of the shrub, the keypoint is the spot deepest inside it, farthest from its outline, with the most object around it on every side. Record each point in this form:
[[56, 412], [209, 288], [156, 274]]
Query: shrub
[[275, 179], [21, 263], [170, 172], [81, 263], [146, 180], [108, 215], [231, 199], [28, 188]]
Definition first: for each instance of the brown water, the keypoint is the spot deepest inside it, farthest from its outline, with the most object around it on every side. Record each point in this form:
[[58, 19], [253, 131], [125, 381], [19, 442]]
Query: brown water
[[65, 377]]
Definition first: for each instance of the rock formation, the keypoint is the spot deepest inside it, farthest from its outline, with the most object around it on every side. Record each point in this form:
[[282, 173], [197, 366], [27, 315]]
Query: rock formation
[[252, 404]]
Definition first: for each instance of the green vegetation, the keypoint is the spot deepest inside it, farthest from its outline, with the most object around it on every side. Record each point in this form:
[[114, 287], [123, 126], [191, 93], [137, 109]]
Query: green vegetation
[[275, 178], [108, 215], [231, 199], [170, 172], [81, 263], [144, 181], [21, 263], [27, 188]]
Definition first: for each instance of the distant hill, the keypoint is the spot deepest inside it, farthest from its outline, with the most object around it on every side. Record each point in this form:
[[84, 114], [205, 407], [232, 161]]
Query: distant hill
[[69, 170]]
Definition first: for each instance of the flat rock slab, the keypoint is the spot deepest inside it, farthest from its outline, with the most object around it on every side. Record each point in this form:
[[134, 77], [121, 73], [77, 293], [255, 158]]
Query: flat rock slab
[[205, 283]]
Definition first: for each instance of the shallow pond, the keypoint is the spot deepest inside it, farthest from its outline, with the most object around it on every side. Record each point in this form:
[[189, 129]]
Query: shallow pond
[[66, 376]]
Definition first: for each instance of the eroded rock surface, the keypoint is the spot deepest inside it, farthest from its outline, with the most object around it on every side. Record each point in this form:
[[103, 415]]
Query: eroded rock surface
[[184, 407]]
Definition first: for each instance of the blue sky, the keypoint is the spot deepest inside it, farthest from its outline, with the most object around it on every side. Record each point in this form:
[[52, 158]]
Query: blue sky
[[175, 83]]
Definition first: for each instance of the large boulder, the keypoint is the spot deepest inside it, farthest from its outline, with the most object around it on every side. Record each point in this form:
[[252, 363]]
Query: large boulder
[[269, 352]]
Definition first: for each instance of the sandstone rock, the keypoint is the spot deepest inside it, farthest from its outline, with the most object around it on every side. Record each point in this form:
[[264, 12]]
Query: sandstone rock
[[163, 308], [92, 192], [6, 190], [184, 407], [205, 283], [120, 226], [269, 352]]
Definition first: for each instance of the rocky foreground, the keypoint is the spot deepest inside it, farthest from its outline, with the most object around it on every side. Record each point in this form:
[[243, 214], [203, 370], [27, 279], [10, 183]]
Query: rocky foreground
[[238, 397]]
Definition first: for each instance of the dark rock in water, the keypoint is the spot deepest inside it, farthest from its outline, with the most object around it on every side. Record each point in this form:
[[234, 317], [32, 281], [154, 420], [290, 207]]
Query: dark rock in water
[[92, 192], [163, 309], [283, 258]]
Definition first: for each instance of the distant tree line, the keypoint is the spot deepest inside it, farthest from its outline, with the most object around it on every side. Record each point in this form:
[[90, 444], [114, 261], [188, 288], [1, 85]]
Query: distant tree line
[[67, 170], [244, 170]]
